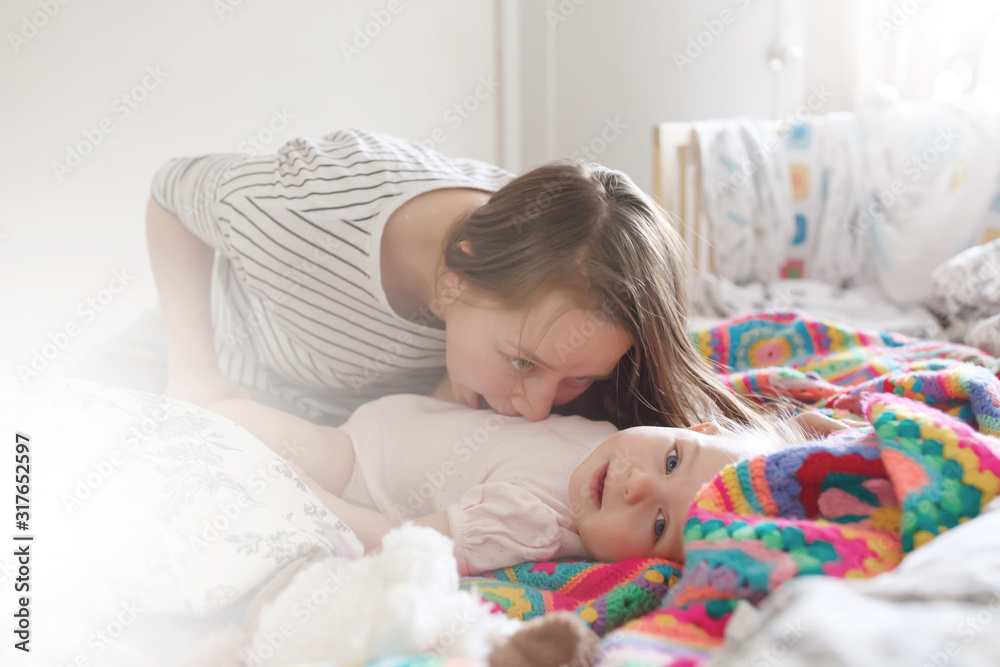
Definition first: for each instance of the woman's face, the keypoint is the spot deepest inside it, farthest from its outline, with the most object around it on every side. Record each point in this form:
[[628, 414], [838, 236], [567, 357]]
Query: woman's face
[[631, 496], [522, 362]]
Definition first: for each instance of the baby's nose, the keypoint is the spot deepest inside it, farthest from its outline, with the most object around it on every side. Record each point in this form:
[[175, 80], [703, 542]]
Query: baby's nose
[[637, 486]]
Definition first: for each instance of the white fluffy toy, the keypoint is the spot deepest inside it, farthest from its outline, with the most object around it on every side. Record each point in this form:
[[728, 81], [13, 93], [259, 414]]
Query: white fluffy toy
[[402, 600]]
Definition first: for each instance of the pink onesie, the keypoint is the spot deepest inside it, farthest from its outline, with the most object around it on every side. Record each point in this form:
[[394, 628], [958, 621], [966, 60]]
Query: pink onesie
[[502, 480]]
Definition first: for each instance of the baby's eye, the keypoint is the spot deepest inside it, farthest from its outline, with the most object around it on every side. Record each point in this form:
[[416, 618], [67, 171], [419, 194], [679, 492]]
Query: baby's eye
[[672, 461], [659, 525], [519, 363]]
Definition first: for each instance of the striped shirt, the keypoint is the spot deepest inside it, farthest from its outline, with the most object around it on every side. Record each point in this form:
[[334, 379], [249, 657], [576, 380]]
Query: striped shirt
[[298, 308]]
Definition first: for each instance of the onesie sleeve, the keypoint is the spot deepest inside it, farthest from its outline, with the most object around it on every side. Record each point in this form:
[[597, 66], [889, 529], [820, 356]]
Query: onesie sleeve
[[192, 189], [498, 524]]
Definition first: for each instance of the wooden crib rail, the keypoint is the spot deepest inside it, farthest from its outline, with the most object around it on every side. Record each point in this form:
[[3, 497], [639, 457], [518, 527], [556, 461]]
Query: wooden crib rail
[[677, 188]]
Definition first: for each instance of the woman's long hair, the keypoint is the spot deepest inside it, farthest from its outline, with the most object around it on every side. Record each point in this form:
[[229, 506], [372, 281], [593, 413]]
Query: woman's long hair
[[589, 232]]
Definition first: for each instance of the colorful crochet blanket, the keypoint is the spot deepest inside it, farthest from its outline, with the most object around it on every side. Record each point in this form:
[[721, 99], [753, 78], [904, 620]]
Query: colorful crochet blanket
[[850, 506], [606, 595]]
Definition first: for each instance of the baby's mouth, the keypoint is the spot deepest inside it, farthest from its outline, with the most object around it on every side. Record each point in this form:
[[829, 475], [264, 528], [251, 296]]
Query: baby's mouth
[[597, 486], [481, 403]]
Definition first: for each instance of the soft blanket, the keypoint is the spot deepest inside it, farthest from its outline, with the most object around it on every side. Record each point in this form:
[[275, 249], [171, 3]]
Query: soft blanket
[[849, 507]]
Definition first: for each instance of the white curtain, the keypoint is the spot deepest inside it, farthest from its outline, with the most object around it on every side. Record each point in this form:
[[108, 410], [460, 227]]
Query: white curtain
[[937, 49]]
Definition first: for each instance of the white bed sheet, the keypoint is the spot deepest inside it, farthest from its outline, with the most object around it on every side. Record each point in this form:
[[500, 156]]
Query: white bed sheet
[[715, 299]]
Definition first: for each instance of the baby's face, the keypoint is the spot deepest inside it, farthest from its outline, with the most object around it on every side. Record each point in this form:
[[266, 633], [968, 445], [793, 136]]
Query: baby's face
[[630, 497]]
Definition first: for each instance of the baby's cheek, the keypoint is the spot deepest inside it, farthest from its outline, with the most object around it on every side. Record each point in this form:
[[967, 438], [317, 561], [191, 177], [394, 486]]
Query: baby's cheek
[[677, 554], [590, 538]]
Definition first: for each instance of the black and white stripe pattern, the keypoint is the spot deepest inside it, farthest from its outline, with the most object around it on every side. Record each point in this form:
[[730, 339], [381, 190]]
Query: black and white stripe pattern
[[298, 306]]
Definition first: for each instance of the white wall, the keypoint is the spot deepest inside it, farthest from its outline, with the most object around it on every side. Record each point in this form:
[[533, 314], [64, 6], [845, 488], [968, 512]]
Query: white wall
[[586, 63], [225, 75], [567, 68]]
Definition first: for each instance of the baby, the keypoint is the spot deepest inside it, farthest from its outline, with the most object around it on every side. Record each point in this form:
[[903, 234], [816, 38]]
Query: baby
[[498, 485]]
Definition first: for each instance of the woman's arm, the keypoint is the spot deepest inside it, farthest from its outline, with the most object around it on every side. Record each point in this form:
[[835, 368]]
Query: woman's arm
[[324, 453], [182, 268], [816, 425]]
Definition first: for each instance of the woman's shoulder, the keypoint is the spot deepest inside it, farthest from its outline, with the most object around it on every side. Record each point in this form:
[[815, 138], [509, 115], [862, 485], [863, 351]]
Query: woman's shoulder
[[353, 147]]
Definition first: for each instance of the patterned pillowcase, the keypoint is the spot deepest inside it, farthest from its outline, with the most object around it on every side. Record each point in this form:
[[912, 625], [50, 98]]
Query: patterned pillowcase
[[158, 502]]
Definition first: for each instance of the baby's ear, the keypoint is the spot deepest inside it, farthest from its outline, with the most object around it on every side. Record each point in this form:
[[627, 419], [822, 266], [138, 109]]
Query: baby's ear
[[710, 428]]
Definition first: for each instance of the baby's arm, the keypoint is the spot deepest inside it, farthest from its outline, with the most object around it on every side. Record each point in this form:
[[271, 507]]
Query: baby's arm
[[323, 457], [370, 526], [324, 453]]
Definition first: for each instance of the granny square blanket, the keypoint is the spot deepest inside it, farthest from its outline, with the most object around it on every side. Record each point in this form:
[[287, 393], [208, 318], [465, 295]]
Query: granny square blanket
[[849, 506]]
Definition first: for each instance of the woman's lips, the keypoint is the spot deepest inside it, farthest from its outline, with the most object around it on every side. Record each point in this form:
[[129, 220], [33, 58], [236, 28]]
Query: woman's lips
[[597, 486]]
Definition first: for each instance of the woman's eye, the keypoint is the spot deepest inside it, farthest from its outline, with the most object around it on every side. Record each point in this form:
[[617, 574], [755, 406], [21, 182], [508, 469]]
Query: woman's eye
[[520, 364], [672, 461], [659, 525]]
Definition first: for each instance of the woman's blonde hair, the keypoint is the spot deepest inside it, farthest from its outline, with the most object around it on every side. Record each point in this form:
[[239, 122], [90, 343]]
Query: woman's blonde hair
[[590, 232]]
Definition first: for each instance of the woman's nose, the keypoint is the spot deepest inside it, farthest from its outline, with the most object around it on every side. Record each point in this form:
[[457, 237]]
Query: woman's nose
[[535, 403]]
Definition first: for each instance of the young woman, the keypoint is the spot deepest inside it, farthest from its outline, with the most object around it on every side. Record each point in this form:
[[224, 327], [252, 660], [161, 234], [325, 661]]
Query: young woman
[[359, 265]]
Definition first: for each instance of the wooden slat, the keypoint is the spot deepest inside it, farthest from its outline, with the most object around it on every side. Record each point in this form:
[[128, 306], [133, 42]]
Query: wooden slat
[[682, 198]]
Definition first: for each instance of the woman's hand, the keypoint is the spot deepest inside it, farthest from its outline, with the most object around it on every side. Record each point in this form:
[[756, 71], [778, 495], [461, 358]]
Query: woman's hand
[[817, 425], [204, 388]]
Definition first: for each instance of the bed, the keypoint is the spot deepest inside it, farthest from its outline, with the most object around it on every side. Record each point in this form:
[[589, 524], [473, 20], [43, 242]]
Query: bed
[[169, 535]]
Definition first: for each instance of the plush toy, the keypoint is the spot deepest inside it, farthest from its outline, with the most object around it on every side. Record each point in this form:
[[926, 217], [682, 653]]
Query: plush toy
[[557, 639], [401, 600]]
